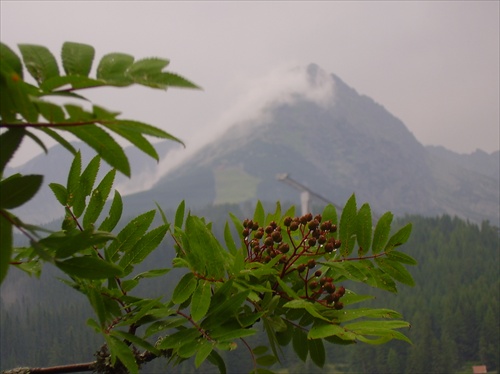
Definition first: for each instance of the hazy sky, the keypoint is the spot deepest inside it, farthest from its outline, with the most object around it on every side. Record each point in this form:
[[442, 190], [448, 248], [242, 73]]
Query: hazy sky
[[435, 65]]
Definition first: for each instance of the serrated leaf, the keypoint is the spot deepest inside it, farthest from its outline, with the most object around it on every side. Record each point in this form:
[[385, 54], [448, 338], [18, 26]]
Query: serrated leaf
[[401, 257], [89, 268], [97, 302], [98, 199], [322, 330], [317, 351], [37, 140], [73, 182], [152, 273], [119, 350], [10, 58], [143, 247], [399, 238], [77, 58], [381, 234], [114, 215], [10, 140], [203, 352], [201, 300], [75, 81], [68, 243], [299, 344], [39, 61], [51, 112], [184, 288], [103, 144], [19, 190], [330, 214], [364, 229], [259, 214], [179, 214], [5, 245], [58, 138], [112, 68], [17, 99], [60, 192], [228, 238], [395, 270], [347, 226], [131, 233]]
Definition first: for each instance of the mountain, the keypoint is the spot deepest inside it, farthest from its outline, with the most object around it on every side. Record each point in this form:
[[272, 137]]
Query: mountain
[[350, 144], [329, 138]]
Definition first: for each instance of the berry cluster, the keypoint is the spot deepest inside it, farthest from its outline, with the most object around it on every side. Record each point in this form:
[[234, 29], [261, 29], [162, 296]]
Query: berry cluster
[[307, 237]]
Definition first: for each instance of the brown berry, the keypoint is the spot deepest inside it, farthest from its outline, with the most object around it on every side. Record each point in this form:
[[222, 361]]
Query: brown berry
[[294, 226], [311, 263], [287, 221], [318, 273], [276, 236]]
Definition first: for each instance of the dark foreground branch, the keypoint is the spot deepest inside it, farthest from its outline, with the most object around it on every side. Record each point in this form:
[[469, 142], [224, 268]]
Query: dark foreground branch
[[73, 368]]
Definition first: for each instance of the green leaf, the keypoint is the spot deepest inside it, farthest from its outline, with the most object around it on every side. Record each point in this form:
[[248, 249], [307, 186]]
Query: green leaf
[[152, 273], [103, 144], [76, 82], [98, 199], [184, 288], [203, 250], [119, 350], [18, 190], [159, 326], [228, 238], [10, 140], [85, 184], [77, 58], [135, 340], [10, 58], [364, 229], [179, 214], [260, 214], [266, 360], [112, 68], [299, 344], [401, 257], [217, 360], [382, 231], [317, 351], [330, 214], [17, 99], [395, 270], [114, 215], [89, 268], [96, 299], [322, 330], [348, 226], [51, 112], [200, 301], [68, 243], [399, 238], [5, 244], [203, 352], [143, 247], [39, 61], [73, 184], [58, 138], [131, 233]]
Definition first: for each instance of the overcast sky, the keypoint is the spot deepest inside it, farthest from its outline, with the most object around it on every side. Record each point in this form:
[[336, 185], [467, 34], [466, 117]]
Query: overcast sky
[[434, 65]]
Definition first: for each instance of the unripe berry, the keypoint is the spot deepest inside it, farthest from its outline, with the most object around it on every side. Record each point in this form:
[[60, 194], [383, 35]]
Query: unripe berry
[[287, 221], [255, 226], [301, 268], [329, 247], [258, 234], [318, 273], [338, 305], [311, 263], [334, 228], [329, 287], [313, 225], [341, 291], [269, 229], [276, 236], [317, 217], [283, 259], [313, 285], [245, 232], [337, 244], [312, 242], [326, 226], [245, 223], [294, 226], [284, 247], [322, 239], [269, 241]]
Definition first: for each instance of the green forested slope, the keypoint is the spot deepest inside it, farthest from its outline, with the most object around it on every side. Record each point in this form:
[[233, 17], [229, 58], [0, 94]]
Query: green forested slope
[[453, 309]]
